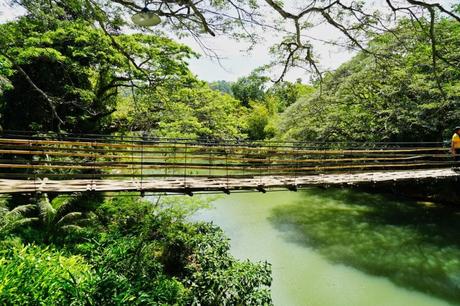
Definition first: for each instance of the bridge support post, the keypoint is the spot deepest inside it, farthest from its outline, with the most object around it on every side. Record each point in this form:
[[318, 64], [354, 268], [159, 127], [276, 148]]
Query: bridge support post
[[185, 167], [226, 167], [261, 188], [188, 192], [144, 138]]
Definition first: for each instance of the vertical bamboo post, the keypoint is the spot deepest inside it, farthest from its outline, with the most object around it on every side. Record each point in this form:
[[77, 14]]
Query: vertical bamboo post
[[296, 164], [260, 169], [243, 154], [174, 157], [166, 160], [94, 166], [143, 139], [132, 160], [269, 159], [142, 160], [33, 166], [185, 164], [226, 166], [209, 146]]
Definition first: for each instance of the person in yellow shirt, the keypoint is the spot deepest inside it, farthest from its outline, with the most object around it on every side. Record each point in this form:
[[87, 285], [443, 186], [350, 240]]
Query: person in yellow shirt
[[455, 144]]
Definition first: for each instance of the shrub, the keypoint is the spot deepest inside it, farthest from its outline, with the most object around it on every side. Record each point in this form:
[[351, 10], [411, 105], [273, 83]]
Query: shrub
[[133, 252], [30, 274]]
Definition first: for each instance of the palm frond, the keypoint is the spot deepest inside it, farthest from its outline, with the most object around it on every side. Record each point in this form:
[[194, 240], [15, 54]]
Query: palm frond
[[69, 218], [61, 204], [21, 209], [24, 221], [71, 227], [47, 212], [14, 222], [84, 221]]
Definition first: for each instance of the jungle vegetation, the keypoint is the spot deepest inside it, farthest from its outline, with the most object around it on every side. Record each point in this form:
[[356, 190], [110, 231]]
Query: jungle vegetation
[[397, 96], [69, 66]]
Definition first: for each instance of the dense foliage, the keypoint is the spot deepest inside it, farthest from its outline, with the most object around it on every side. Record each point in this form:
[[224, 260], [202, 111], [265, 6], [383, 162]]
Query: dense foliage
[[67, 75], [263, 103], [248, 20], [398, 96], [67, 66], [128, 251], [195, 112], [32, 274]]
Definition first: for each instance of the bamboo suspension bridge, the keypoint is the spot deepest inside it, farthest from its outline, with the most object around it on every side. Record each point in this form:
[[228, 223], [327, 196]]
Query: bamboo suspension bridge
[[31, 164]]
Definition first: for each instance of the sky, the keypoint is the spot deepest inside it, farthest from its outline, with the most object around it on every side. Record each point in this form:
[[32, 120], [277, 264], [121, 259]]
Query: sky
[[237, 62]]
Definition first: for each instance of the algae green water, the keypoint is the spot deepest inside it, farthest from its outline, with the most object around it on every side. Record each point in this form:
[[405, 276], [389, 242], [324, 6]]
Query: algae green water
[[342, 247]]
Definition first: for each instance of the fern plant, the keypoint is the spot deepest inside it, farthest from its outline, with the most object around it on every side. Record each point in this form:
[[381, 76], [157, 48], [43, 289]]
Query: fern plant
[[14, 218], [56, 217]]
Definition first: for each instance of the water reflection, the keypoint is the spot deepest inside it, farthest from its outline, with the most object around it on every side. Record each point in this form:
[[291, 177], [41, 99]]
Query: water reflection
[[414, 244]]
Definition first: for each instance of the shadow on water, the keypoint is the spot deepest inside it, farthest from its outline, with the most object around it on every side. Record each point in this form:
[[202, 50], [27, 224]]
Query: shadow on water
[[414, 244]]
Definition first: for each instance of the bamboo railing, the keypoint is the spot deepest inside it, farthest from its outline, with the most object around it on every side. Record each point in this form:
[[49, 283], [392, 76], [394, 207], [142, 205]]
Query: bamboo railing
[[67, 158]]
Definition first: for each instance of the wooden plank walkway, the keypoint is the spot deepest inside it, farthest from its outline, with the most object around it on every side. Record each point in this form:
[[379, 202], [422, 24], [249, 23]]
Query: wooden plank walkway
[[196, 184]]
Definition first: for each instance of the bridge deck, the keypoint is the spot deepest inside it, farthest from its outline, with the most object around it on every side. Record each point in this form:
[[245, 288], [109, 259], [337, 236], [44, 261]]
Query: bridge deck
[[67, 164], [194, 184]]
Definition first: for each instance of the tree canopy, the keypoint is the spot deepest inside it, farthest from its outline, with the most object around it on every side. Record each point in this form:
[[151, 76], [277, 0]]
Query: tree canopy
[[403, 98], [355, 21], [67, 75]]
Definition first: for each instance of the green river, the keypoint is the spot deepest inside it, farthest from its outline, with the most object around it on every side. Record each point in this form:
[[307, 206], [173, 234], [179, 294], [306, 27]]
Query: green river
[[343, 247]]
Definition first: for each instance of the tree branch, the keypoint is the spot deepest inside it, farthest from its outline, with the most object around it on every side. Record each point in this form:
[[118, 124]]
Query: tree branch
[[44, 95]]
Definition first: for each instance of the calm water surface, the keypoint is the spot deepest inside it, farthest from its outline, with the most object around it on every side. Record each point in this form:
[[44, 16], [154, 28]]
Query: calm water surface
[[341, 247]]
